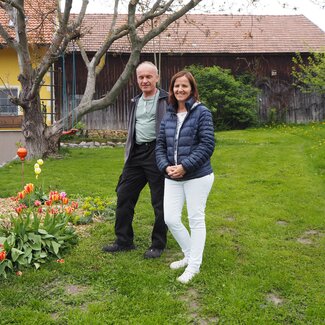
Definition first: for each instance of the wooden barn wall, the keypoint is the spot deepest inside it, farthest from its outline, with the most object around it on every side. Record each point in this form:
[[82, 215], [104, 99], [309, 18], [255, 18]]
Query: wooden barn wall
[[272, 71], [280, 102]]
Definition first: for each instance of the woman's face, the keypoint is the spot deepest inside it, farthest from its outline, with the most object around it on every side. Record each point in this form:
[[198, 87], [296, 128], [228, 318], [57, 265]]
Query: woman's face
[[182, 89]]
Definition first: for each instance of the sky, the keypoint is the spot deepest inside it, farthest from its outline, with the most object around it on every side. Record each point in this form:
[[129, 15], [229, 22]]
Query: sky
[[315, 13]]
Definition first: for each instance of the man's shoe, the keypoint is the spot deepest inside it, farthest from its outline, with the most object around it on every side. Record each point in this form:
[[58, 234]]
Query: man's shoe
[[115, 248], [153, 253]]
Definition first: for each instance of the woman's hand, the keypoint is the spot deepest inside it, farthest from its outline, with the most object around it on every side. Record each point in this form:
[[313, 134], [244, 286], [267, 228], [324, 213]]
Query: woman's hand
[[176, 171]]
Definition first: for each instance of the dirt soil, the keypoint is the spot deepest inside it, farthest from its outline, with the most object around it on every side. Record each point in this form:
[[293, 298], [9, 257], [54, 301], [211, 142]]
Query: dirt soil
[[7, 206]]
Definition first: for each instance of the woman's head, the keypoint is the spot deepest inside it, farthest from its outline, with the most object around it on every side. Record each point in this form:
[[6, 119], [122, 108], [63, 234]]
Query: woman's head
[[182, 86]]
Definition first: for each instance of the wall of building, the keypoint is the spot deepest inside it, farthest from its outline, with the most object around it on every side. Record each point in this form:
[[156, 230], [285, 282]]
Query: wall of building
[[8, 140], [272, 72], [9, 72]]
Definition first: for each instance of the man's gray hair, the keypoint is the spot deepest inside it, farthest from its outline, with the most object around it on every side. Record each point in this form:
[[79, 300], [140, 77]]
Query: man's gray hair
[[148, 63]]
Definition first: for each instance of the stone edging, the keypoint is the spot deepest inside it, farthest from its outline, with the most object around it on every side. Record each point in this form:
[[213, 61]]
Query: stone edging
[[92, 144]]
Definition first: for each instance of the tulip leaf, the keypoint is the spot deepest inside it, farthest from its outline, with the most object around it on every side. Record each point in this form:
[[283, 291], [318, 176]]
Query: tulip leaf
[[37, 265], [56, 247], [15, 253]]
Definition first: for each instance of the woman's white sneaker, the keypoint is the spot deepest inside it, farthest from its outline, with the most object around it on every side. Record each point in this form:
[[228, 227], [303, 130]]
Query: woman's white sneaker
[[179, 264], [186, 277]]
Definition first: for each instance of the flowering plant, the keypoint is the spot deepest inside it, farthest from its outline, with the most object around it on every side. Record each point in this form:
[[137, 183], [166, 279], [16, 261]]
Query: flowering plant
[[38, 231], [37, 168], [54, 203]]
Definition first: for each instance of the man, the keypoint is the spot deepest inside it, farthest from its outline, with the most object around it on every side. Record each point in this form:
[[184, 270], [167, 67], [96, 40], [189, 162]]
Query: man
[[146, 112]]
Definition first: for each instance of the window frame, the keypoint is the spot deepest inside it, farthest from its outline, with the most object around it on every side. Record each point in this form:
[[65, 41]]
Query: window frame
[[11, 106]]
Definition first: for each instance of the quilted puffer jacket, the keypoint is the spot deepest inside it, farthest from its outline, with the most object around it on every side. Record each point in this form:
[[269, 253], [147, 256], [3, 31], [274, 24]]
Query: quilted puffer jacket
[[195, 143]]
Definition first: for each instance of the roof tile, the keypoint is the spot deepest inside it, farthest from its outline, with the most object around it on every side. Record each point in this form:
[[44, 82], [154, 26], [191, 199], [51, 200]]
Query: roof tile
[[211, 33], [40, 20]]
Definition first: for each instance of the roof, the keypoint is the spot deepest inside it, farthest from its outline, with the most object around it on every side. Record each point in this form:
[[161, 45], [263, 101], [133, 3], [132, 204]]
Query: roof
[[212, 33], [40, 21]]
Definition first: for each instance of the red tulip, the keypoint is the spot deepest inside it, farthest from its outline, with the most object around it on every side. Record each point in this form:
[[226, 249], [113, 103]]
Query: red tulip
[[65, 200], [3, 255], [29, 188]]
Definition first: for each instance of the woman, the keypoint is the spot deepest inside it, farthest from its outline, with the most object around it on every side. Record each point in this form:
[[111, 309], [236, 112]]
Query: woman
[[183, 150]]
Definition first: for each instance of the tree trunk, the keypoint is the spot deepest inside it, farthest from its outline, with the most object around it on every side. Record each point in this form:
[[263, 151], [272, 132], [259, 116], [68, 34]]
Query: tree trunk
[[40, 141]]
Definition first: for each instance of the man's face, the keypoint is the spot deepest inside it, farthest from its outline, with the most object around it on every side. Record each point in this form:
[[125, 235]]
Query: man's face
[[147, 78]]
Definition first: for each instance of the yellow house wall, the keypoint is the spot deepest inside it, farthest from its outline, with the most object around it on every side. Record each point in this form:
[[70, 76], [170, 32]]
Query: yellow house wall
[[9, 72]]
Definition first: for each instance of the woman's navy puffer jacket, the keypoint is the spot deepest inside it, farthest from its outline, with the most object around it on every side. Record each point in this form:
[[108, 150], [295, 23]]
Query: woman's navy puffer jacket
[[195, 142]]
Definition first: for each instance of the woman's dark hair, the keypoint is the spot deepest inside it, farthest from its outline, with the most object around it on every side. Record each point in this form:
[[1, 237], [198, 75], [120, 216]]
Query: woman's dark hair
[[194, 91]]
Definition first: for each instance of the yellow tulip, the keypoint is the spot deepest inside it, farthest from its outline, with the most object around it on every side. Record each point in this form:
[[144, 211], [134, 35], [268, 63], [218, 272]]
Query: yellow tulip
[[37, 171], [40, 162], [36, 166]]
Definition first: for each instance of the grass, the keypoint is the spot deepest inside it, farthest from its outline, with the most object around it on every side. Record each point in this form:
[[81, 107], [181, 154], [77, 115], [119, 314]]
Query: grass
[[264, 258]]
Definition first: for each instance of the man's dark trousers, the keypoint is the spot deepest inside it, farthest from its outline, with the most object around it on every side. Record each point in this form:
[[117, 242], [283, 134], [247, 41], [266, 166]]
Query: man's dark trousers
[[139, 170]]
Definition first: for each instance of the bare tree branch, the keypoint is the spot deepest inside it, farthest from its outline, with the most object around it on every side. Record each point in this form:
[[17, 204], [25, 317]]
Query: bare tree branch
[[170, 18], [136, 46], [63, 36], [40, 138], [83, 52], [8, 39], [155, 13], [82, 12], [17, 4]]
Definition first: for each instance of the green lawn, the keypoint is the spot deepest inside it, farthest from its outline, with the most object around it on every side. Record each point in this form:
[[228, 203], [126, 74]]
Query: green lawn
[[264, 261]]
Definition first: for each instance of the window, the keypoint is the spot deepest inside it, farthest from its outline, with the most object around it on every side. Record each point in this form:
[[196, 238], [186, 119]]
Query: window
[[6, 106]]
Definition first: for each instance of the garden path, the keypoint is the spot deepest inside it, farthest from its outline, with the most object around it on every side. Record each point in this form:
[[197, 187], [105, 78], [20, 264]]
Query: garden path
[[8, 140]]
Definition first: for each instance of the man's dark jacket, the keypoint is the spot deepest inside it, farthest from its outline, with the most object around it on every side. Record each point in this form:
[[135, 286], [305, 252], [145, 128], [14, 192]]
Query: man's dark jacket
[[160, 112]]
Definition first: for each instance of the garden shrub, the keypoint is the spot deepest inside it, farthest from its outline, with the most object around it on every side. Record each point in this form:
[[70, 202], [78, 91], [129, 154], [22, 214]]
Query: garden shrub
[[232, 100]]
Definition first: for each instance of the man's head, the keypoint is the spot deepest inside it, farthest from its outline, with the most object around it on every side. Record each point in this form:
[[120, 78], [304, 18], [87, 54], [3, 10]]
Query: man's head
[[147, 77]]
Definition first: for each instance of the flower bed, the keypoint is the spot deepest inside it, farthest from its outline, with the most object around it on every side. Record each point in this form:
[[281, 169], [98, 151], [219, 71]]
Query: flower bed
[[36, 226], [38, 230]]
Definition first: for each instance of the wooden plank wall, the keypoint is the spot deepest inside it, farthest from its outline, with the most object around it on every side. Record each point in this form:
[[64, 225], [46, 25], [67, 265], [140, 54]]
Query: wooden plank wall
[[280, 102], [277, 92]]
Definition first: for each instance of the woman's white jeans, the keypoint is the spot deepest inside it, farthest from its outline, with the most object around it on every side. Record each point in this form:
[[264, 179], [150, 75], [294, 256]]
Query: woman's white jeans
[[195, 192]]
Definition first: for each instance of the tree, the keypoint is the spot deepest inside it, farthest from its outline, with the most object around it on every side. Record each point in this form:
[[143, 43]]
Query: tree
[[310, 74], [232, 100], [42, 140]]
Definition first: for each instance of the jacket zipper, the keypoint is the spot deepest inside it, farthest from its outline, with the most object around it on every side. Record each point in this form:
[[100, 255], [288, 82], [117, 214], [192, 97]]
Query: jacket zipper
[[186, 117]]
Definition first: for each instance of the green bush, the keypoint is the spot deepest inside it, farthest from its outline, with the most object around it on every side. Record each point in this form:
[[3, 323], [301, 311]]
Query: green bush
[[310, 74], [232, 101]]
